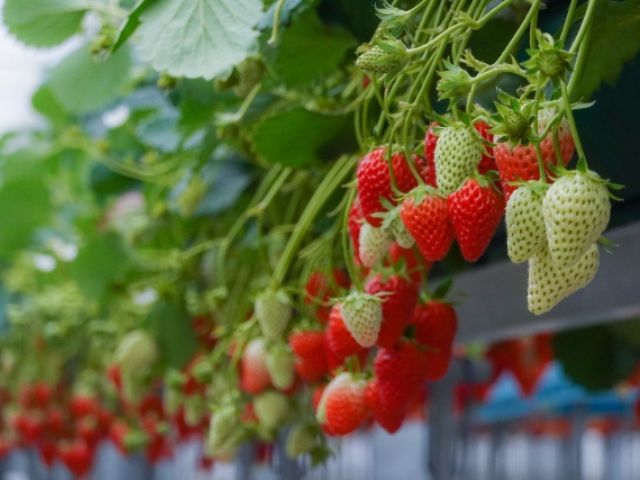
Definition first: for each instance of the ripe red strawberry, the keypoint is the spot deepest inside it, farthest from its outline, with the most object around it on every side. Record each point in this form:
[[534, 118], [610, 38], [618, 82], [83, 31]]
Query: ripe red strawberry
[[475, 210], [488, 161], [389, 419], [519, 162], [399, 297], [339, 341], [254, 375], [342, 407], [436, 324], [77, 457], [82, 405], [374, 182], [437, 363], [319, 289], [355, 224], [400, 372], [48, 451], [426, 216], [430, 142]]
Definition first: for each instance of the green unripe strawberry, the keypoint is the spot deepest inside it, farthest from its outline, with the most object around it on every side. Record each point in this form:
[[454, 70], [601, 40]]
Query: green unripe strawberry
[[280, 364], [224, 422], [374, 243], [362, 315], [300, 440], [271, 408], [576, 210], [549, 284], [457, 155], [398, 229], [525, 225], [273, 311], [136, 352], [383, 57]]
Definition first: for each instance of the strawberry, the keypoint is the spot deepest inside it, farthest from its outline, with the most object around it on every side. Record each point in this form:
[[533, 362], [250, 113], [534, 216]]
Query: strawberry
[[550, 284], [280, 366], [254, 375], [389, 419], [362, 315], [400, 372], [340, 342], [342, 406], [457, 155], [519, 162], [525, 224], [136, 352], [426, 217], [223, 428], [431, 140], [310, 354], [318, 290], [409, 261], [82, 405], [374, 182], [273, 311], [77, 457], [374, 243], [399, 297], [355, 222], [576, 210], [271, 408], [475, 210], [436, 324]]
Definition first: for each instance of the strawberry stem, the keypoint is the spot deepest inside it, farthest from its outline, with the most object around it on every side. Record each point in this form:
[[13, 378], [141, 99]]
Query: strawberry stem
[[582, 160]]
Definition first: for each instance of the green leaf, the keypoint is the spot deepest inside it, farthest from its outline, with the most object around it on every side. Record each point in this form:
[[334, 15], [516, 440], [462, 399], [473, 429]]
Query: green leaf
[[45, 102], [132, 23], [82, 83], [160, 132], [25, 198], [198, 38], [43, 23], [614, 40], [172, 327], [297, 137], [99, 263], [308, 51]]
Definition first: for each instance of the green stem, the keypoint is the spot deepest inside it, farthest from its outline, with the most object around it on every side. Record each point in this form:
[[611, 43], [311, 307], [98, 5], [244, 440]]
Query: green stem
[[568, 21], [276, 22], [347, 248], [580, 45], [584, 27], [329, 184], [582, 159], [515, 40], [541, 167]]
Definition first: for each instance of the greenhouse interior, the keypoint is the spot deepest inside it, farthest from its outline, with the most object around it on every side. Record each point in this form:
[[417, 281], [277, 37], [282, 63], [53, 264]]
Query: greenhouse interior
[[319, 240]]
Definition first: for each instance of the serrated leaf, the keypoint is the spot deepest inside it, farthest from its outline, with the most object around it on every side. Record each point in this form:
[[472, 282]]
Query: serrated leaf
[[295, 137], [198, 38], [614, 40], [132, 23], [43, 23], [308, 51], [82, 83]]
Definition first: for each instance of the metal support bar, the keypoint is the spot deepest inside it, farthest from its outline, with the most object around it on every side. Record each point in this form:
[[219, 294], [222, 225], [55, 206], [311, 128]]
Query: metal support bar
[[495, 305], [244, 461]]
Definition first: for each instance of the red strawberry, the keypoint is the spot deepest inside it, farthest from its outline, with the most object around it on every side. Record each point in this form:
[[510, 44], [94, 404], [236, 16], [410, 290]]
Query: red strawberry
[[41, 394], [343, 407], [519, 162], [82, 405], [437, 363], [399, 298], [319, 289], [475, 210], [309, 349], [340, 343], [254, 376], [400, 372], [488, 161], [389, 419], [425, 215], [436, 324], [48, 452], [413, 264], [374, 182], [77, 457]]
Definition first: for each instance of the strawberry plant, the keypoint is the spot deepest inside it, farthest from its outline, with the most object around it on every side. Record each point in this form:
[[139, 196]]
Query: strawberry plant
[[240, 204]]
